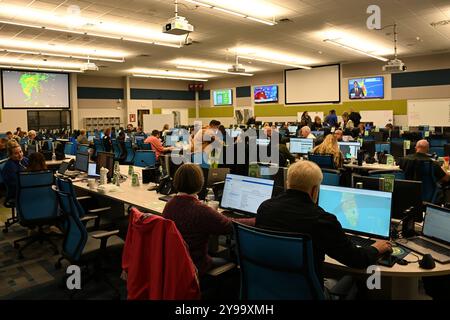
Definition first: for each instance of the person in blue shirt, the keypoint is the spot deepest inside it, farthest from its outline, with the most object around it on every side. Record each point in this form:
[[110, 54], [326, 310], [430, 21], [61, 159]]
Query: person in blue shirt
[[331, 119], [15, 164]]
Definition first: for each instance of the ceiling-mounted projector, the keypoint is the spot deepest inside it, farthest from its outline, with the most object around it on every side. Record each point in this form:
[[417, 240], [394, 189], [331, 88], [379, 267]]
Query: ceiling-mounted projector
[[395, 65], [237, 68], [178, 26], [89, 66]]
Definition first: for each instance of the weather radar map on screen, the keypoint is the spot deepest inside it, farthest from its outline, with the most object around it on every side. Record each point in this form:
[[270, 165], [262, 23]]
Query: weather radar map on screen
[[29, 89], [265, 94], [366, 88]]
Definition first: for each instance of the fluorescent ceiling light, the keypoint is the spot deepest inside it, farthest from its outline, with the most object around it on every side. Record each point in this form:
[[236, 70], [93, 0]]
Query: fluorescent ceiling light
[[276, 62], [214, 70], [168, 77], [232, 12], [60, 55], [339, 44], [40, 63], [169, 73], [39, 69]]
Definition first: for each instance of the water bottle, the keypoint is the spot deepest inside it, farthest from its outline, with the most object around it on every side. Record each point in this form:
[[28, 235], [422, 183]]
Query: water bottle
[[210, 195]]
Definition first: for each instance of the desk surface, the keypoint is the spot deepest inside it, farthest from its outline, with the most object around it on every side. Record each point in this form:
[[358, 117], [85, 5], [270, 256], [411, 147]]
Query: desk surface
[[137, 196], [372, 166], [53, 163]]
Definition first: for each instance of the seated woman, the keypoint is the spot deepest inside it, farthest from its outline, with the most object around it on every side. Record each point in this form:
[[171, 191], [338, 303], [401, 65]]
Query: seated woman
[[317, 124], [195, 220], [15, 164], [36, 162], [330, 146]]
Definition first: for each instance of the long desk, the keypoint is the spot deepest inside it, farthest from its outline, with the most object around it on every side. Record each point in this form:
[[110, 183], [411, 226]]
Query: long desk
[[138, 196], [372, 166], [56, 163]]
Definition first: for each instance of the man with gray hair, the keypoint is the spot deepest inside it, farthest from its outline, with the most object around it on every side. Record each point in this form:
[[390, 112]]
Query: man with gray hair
[[305, 132], [296, 210]]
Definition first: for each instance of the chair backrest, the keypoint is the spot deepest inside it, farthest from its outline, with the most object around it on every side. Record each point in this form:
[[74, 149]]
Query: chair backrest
[[438, 142], [2, 165], [116, 148], [75, 232], [378, 173], [65, 185], [331, 177], [144, 158], [322, 160], [68, 148], [98, 145], [439, 151], [145, 146], [35, 198], [83, 148], [130, 152], [276, 265], [422, 170]]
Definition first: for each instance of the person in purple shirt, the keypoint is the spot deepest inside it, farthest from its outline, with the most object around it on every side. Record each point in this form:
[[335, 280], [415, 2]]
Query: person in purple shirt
[[15, 164]]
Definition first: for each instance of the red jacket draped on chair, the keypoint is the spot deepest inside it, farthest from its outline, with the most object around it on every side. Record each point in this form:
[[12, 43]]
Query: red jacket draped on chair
[[157, 261]]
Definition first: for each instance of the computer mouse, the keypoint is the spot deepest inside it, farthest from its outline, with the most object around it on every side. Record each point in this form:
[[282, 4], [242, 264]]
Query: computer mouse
[[427, 262], [402, 262]]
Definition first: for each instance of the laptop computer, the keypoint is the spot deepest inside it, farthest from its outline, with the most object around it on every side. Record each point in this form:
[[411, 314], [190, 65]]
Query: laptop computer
[[63, 167], [435, 238], [360, 212], [92, 170], [243, 195]]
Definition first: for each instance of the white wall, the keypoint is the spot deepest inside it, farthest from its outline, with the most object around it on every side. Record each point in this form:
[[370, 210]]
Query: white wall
[[13, 118]]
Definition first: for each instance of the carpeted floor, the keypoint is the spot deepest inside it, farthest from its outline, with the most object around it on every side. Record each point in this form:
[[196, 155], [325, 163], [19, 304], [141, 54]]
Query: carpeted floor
[[35, 276]]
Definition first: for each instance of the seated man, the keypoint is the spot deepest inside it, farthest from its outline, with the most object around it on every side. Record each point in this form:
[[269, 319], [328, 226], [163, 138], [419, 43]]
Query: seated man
[[156, 144], [305, 132], [422, 149], [296, 210]]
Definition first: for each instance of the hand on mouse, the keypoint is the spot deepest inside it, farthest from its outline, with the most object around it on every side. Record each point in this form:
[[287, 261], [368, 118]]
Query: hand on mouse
[[383, 246]]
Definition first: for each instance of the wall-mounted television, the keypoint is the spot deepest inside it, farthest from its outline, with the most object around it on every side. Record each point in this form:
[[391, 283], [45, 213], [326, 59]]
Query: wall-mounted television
[[265, 94], [223, 97], [34, 89], [366, 88]]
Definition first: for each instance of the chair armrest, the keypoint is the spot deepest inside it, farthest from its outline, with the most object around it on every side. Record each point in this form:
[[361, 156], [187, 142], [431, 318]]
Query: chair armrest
[[222, 269], [87, 218], [81, 198], [105, 234], [99, 210]]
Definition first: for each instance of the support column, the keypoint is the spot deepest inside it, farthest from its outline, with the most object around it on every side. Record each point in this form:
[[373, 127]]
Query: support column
[[76, 122]]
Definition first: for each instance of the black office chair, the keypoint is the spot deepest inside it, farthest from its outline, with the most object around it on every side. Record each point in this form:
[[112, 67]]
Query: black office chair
[[9, 202], [37, 207]]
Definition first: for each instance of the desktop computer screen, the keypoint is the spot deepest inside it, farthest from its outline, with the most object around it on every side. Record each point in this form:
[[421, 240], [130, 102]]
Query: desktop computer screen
[[82, 161], [349, 149], [92, 170], [245, 194], [301, 146], [437, 223], [292, 129], [359, 211]]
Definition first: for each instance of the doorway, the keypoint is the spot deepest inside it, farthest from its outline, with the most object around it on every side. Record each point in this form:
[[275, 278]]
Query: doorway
[[141, 113]]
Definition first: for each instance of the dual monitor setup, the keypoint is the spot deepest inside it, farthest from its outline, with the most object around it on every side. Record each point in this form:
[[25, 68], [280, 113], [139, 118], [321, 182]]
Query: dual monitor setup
[[304, 145]]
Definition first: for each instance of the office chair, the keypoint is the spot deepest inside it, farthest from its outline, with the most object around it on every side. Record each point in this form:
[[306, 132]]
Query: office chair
[[9, 202], [83, 148], [37, 206], [383, 147], [145, 158], [422, 170], [116, 149], [322, 160], [331, 177], [145, 146], [378, 173], [276, 265], [130, 152], [98, 146], [79, 246], [435, 142], [439, 151], [65, 185]]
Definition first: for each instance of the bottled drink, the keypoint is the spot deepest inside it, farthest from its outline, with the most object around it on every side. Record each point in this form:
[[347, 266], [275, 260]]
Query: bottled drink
[[210, 195]]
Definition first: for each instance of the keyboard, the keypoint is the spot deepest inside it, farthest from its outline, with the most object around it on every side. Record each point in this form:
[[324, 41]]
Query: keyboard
[[432, 246], [361, 242]]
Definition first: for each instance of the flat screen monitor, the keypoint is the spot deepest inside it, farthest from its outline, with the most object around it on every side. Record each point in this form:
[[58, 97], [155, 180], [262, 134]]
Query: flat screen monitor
[[301, 146], [437, 223], [105, 160], [359, 211], [245, 194], [92, 170], [366, 88], [349, 149], [82, 161], [292, 129], [223, 97], [265, 94], [35, 90]]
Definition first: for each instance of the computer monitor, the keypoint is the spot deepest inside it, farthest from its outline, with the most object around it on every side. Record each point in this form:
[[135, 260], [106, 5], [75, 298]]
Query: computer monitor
[[292, 129], [369, 147], [407, 194], [105, 160], [359, 211], [349, 149], [245, 194], [82, 161], [92, 170], [397, 150], [300, 145], [437, 223]]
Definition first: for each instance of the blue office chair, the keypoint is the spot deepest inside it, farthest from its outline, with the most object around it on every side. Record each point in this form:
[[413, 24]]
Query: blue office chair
[[65, 185], [439, 151], [383, 147], [438, 142], [145, 146], [145, 158], [9, 201], [422, 170], [322, 160], [68, 148], [276, 265], [83, 148], [79, 246], [116, 148], [331, 177], [397, 140], [378, 173], [37, 206], [98, 146], [130, 152]]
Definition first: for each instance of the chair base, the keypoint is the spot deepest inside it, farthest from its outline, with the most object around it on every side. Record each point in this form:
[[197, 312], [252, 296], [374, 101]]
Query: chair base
[[40, 236], [10, 221]]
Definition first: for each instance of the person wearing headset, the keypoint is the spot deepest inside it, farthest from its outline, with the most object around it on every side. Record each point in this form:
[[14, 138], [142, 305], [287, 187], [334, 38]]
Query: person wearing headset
[[15, 164]]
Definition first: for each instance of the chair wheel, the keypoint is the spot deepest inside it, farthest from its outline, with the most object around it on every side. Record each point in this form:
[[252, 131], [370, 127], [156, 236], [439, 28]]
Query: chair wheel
[[16, 246]]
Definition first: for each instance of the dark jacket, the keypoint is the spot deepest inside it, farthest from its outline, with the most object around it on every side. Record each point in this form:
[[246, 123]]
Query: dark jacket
[[9, 175], [355, 117], [294, 211]]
